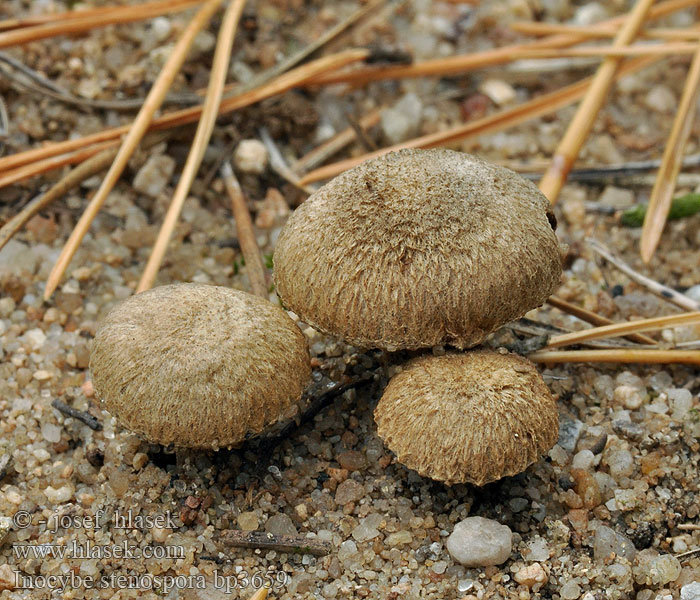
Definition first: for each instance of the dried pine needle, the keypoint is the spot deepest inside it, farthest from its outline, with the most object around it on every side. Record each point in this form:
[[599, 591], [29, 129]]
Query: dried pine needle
[[136, 131], [577, 132], [210, 110]]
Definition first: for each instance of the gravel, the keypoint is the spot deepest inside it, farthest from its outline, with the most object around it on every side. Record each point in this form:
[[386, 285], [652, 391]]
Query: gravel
[[606, 514], [479, 542]]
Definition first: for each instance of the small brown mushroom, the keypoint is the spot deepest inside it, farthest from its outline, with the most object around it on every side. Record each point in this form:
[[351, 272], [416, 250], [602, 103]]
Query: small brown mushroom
[[418, 248], [468, 418], [198, 366]]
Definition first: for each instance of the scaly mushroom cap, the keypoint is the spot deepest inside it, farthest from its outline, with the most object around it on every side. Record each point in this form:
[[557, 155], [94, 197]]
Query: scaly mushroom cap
[[198, 366], [468, 418], [418, 248]]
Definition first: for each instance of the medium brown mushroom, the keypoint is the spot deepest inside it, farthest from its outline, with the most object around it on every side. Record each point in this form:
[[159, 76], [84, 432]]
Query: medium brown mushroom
[[418, 248], [473, 417], [198, 366]]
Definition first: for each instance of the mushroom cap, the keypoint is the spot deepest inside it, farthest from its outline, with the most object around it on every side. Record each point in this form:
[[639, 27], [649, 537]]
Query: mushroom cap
[[198, 366], [468, 418], [418, 248]]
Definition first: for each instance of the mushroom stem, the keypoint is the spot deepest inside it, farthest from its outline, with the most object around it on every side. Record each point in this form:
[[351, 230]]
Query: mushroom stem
[[246, 235], [687, 357]]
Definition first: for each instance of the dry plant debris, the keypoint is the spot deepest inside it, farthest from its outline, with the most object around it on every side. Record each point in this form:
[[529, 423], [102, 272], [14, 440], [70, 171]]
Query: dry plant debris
[[612, 511]]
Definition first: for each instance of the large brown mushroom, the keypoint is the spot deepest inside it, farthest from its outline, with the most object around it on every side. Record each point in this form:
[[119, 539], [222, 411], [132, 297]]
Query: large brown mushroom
[[198, 366], [473, 417], [418, 248]]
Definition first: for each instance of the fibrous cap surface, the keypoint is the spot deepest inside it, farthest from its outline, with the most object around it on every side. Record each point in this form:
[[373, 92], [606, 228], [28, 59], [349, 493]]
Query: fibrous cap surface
[[198, 366], [418, 248], [473, 417]]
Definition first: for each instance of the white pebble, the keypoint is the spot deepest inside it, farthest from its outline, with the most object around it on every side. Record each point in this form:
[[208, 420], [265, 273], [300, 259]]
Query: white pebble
[[154, 175], [62, 494], [583, 460], [691, 591], [35, 338], [250, 157], [402, 120], [498, 91], [660, 98], [629, 396], [480, 542]]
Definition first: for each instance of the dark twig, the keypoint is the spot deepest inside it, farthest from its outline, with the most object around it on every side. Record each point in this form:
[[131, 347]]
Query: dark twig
[[317, 404], [46, 87], [295, 544], [654, 287], [82, 416]]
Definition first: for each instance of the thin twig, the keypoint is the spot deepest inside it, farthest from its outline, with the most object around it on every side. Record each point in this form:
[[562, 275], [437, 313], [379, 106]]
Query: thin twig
[[619, 329], [593, 318], [577, 132], [82, 416], [63, 96], [31, 20], [319, 155], [601, 30], [55, 162], [659, 289], [658, 49], [205, 127], [460, 64], [136, 131], [279, 85], [687, 357], [290, 544], [4, 125], [541, 105], [246, 234], [662, 193], [77, 24], [86, 169], [279, 165]]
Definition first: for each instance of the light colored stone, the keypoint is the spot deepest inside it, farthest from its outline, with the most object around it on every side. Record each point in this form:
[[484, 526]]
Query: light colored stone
[[154, 175], [616, 197], [280, 524], [531, 575], [399, 538], [62, 494], [160, 534], [480, 542], [248, 521], [691, 591], [498, 91], [402, 120], [571, 590], [628, 396], [661, 99], [7, 578], [250, 156], [368, 528], [607, 541]]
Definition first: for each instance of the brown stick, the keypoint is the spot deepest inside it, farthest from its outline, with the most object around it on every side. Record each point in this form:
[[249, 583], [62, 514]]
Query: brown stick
[[542, 105], [291, 544], [86, 169], [593, 318], [210, 109], [601, 30], [687, 357], [97, 18], [662, 192], [281, 84], [618, 329], [662, 49], [577, 132], [246, 234], [136, 131]]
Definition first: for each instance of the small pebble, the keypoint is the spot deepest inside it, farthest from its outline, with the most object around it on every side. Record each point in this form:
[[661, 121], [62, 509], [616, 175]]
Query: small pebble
[[248, 521], [571, 590], [250, 156], [154, 176], [531, 575], [280, 524], [480, 542], [607, 541], [62, 494], [691, 591]]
